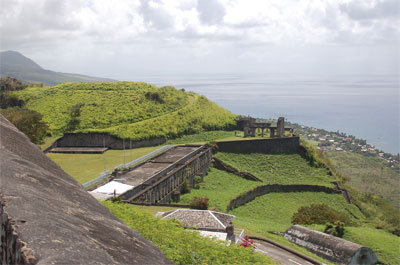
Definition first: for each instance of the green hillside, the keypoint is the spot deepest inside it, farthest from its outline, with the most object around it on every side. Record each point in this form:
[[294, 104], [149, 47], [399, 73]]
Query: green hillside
[[134, 110], [368, 174], [271, 213]]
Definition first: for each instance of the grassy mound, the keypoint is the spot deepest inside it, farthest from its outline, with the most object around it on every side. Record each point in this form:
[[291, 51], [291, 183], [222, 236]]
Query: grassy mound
[[182, 246], [132, 110]]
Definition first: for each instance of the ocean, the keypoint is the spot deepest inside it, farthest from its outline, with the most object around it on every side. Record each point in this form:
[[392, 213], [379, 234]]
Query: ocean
[[366, 106]]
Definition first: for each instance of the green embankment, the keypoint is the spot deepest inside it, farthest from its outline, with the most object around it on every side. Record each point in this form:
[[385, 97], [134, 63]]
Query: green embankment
[[182, 246], [134, 110], [368, 174], [278, 168]]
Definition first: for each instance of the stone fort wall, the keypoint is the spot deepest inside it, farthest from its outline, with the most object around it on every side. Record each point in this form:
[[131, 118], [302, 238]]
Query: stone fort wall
[[101, 139], [269, 146], [265, 189]]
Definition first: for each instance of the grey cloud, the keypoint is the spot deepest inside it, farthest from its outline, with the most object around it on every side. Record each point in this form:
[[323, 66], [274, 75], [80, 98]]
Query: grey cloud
[[158, 18], [381, 9], [210, 11]]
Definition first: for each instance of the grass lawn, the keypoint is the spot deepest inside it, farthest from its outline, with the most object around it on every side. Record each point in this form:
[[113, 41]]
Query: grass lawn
[[84, 167], [220, 187], [273, 212], [278, 168], [182, 246]]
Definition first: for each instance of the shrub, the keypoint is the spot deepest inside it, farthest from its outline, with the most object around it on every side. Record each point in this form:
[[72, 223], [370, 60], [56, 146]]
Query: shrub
[[28, 121], [335, 230], [185, 187], [199, 203], [318, 214]]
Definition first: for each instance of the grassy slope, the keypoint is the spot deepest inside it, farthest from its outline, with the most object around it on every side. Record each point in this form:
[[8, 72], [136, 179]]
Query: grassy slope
[[368, 174], [273, 212], [124, 110], [278, 168], [220, 187], [182, 246], [84, 167]]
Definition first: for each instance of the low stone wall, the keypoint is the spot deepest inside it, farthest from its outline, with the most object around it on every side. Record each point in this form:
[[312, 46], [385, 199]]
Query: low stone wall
[[269, 146], [265, 189], [103, 139], [332, 248], [12, 250], [219, 164]]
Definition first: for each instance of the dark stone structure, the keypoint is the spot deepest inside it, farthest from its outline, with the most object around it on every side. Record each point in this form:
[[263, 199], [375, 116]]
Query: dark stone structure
[[251, 125], [102, 140], [48, 218], [265, 189], [269, 146], [332, 248], [157, 180]]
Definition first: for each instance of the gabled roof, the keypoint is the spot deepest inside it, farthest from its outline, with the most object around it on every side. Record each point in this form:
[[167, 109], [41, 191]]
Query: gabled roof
[[201, 219]]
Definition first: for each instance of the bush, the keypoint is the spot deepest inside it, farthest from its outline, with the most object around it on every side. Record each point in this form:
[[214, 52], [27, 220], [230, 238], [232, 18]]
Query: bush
[[335, 230], [318, 214], [199, 203], [185, 187], [27, 121]]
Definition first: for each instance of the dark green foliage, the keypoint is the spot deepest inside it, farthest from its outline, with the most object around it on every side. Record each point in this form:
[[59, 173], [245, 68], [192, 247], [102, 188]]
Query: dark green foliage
[[185, 187], [336, 229], [199, 203], [75, 112], [28, 121], [318, 214], [7, 100], [154, 96]]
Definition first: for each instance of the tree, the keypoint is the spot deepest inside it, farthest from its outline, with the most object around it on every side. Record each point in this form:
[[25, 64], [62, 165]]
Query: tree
[[27, 121]]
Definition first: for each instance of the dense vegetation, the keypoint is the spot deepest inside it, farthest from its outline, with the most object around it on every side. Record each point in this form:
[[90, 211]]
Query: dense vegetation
[[368, 174], [182, 246], [132, 110], [28, 121]]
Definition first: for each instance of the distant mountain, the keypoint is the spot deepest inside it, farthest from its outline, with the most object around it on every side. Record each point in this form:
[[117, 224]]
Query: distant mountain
[[16, 65]]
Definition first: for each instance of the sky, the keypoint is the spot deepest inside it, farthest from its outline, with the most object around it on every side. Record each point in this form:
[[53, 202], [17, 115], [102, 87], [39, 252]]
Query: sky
[[121, 38]]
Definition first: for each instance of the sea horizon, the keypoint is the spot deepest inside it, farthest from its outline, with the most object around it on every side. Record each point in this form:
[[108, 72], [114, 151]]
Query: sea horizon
[[365, 106]]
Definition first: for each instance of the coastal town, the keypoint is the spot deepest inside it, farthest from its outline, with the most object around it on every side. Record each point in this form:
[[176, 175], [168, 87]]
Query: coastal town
[[341, 142]]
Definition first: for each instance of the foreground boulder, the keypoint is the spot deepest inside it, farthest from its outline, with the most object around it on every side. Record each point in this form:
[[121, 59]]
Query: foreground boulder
[[48, 218]]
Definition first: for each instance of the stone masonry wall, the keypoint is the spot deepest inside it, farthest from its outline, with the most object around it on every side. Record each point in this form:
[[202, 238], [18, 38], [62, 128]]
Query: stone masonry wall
[[100, 139], [269, 146], [262, 190]]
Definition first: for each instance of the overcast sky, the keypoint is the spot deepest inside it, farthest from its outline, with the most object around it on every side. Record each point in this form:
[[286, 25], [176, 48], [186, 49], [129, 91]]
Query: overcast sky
[[122, 38]]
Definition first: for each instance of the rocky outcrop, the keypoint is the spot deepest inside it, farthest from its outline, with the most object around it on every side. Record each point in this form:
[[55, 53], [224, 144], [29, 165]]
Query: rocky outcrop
[[48, 218]]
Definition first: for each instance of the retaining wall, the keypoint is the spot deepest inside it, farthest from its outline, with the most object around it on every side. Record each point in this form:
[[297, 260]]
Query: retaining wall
[[265, 189], [219, 164], [103, 139], [269, 146]]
